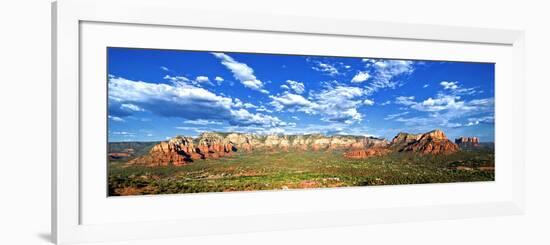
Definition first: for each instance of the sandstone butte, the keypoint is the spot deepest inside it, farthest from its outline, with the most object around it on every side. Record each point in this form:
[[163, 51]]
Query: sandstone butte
[[434, 142], [182, 150], [467, 141]]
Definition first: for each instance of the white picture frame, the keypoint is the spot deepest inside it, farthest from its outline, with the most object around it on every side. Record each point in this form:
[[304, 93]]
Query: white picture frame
[[68, 17]]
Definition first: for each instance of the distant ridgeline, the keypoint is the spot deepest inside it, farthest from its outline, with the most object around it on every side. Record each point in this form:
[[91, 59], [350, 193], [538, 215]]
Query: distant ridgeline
[[127, 150], [182, 150]]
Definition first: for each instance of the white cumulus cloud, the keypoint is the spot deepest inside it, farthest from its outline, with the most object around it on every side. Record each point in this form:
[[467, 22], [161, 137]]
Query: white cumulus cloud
[[368, 102], [201, 122], [180, 100], [116, 119], [326, 68], [293, 102], [360, 77], [298, 87], [202, 79], [335, 104], [130, 107], [386, 73], [445, 110], [219, 80], [242, 72], [405, 100], [449, 85], [458, 89]]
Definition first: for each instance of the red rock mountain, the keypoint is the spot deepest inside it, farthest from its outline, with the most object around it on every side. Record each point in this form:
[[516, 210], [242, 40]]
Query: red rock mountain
[[467, 141], [366, 153], [433, 142], [177, 151], [182, 150]]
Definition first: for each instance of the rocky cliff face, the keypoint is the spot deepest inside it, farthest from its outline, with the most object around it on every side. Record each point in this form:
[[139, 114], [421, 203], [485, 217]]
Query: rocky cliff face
[[403, 139], [467, 141], [213, 145], [366, 153], [182, 150], [176, 151], [433, 142]]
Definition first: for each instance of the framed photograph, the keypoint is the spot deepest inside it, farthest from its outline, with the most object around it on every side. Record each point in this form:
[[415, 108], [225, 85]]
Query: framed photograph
[[318, 122], [169, 121]]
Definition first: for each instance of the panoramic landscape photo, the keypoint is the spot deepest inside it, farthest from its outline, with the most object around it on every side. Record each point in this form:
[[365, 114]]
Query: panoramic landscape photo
[[208, 121]]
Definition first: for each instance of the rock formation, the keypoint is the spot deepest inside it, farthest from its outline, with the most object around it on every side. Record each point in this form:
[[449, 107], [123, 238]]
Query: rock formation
[[182, 150], [366, 153], [213, 145], [403, 139], [433, 142], [176, 151], [242, 142], [467, 141]]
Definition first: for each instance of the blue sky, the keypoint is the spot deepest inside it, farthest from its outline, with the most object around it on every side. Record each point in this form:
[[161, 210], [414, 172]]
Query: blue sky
[[157, 94]]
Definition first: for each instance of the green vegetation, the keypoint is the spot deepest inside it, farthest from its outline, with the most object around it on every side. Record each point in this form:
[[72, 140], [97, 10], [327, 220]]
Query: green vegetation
[[267, 171]]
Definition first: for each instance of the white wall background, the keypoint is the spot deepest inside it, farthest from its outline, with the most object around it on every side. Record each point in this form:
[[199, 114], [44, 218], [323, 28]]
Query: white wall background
[[25, 122]]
